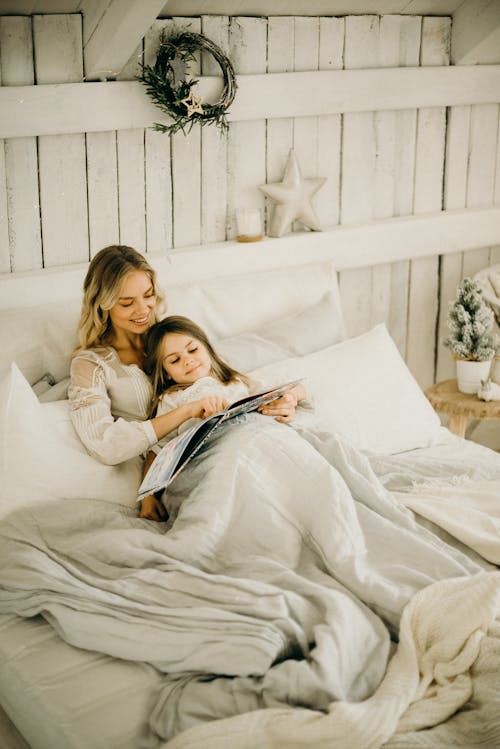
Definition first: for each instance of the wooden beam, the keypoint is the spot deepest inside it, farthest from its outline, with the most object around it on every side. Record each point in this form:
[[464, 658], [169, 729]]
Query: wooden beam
[[476, 33], [120, 29], [357, 246], [119, 105]]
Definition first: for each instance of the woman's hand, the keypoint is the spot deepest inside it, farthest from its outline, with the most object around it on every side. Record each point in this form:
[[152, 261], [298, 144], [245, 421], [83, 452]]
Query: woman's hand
[[205, 407], [152, 509]]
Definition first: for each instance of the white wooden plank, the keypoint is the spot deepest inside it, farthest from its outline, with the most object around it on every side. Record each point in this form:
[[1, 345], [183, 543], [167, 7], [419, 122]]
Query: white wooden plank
[[213, 145], [115, 37], [102, 190], [19, 198], [157, 157], [105, 214], [131, 188], [455, 194], [305, 129], [279, 136], [387, 240], [4, 225], [331, 57], [385, 163], [62, 159], [92, 12], [482, 158], [131, 176], [496, 197], [495, 251], [481, 173], [405, 51], [39, 110], [358, 171], [186, 164], [424, 274], [246, 156], [475, 260], [132, 68], [476, 32]]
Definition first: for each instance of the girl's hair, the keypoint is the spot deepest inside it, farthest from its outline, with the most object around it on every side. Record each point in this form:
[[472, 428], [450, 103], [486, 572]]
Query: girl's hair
[[101, 288], [153, 358]]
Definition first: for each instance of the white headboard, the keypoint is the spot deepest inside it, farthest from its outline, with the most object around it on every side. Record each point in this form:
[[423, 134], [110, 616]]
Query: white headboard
[[226, 290]]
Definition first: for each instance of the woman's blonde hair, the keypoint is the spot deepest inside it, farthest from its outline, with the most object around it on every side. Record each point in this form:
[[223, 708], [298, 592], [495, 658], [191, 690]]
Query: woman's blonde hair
[[101, 288], [153, 358]]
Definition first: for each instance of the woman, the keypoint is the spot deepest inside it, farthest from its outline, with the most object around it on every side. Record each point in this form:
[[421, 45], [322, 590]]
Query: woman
[[110, 394]]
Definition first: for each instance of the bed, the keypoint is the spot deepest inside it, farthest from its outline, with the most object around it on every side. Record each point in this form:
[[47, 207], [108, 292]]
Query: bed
[[354, 604]]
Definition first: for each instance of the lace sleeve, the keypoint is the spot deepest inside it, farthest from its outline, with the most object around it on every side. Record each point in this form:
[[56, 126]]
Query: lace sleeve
[[109, 440]]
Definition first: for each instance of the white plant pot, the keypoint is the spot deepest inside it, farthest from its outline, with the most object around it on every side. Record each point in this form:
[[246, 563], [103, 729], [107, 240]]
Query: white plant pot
[[470, 374]]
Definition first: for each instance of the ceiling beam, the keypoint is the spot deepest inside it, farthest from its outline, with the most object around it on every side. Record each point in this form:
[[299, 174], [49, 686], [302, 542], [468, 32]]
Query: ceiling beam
[[119, 105], [119, 31], [476, 33]]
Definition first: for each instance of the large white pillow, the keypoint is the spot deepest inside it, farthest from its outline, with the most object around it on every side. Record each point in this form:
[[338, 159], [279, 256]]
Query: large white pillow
[[311, 329], [41, 456], [364, 391]]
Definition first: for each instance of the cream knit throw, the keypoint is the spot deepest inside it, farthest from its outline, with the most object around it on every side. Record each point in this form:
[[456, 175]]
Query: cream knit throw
[[427, 680]]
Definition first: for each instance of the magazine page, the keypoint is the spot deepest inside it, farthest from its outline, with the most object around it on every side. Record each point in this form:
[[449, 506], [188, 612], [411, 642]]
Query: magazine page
[[253, 402], [174, 455], [178, 451]]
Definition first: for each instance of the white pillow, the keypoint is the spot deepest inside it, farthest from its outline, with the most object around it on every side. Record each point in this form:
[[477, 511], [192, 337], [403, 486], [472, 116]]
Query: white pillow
[[311, 329], [364, 391], [41, 456]]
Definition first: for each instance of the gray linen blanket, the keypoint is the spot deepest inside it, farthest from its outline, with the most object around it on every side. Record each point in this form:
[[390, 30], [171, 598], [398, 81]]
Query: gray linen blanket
[[284, 569]]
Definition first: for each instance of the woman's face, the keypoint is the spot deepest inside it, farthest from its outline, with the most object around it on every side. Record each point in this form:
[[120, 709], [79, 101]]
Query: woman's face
[[134, 310], [185, 359]]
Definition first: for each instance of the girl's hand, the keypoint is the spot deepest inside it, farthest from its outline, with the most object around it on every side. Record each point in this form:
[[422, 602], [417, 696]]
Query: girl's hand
[[152, 509], [209, 406], [282, 409]]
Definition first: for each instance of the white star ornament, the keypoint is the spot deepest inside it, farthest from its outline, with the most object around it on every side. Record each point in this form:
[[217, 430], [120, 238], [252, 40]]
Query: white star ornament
[[293, 199]]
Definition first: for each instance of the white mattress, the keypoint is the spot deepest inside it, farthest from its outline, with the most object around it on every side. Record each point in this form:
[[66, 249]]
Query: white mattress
[[60, 697]]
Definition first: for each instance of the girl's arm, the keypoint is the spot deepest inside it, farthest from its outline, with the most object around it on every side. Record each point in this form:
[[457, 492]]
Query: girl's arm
[[198, 409]]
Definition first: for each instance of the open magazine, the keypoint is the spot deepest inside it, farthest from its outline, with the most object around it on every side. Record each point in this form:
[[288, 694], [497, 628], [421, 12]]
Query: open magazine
[[177, 452]]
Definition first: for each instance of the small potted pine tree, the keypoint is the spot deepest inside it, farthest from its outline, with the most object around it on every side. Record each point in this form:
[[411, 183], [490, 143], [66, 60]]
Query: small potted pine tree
[[471, 340]]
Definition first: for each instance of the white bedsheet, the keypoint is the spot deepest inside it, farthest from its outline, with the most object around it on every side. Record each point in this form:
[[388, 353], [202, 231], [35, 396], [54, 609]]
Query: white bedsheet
[[455, 485]]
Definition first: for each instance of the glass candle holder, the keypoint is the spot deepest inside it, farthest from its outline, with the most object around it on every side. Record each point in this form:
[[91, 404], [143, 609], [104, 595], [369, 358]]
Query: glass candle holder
[[249, 225]]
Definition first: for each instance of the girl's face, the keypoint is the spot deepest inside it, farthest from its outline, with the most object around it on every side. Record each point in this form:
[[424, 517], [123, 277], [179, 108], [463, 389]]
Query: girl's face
[[185, 359], [134, 310]]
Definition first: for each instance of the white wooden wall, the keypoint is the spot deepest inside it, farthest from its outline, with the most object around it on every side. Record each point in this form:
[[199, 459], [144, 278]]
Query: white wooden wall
[[64, 196]]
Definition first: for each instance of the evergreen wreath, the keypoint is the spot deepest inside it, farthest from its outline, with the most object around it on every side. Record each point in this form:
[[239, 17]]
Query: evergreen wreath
[[470, 321], [175, 95]]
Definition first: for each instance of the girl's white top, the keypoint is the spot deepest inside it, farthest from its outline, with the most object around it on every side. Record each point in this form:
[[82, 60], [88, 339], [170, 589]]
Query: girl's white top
[[110, 403], [205, 387]]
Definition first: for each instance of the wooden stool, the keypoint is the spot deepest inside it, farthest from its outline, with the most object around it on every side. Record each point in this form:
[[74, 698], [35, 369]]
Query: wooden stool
[[446, 398]]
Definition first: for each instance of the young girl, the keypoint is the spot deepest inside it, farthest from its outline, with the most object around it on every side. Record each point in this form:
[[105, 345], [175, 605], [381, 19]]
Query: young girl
[[191, 381]]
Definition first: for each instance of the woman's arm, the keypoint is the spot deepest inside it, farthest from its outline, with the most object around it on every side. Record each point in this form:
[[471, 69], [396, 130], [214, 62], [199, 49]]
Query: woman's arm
[[110, 440]]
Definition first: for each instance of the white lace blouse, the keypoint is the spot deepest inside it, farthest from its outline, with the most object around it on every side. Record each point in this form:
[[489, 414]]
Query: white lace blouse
[[110, 404]]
